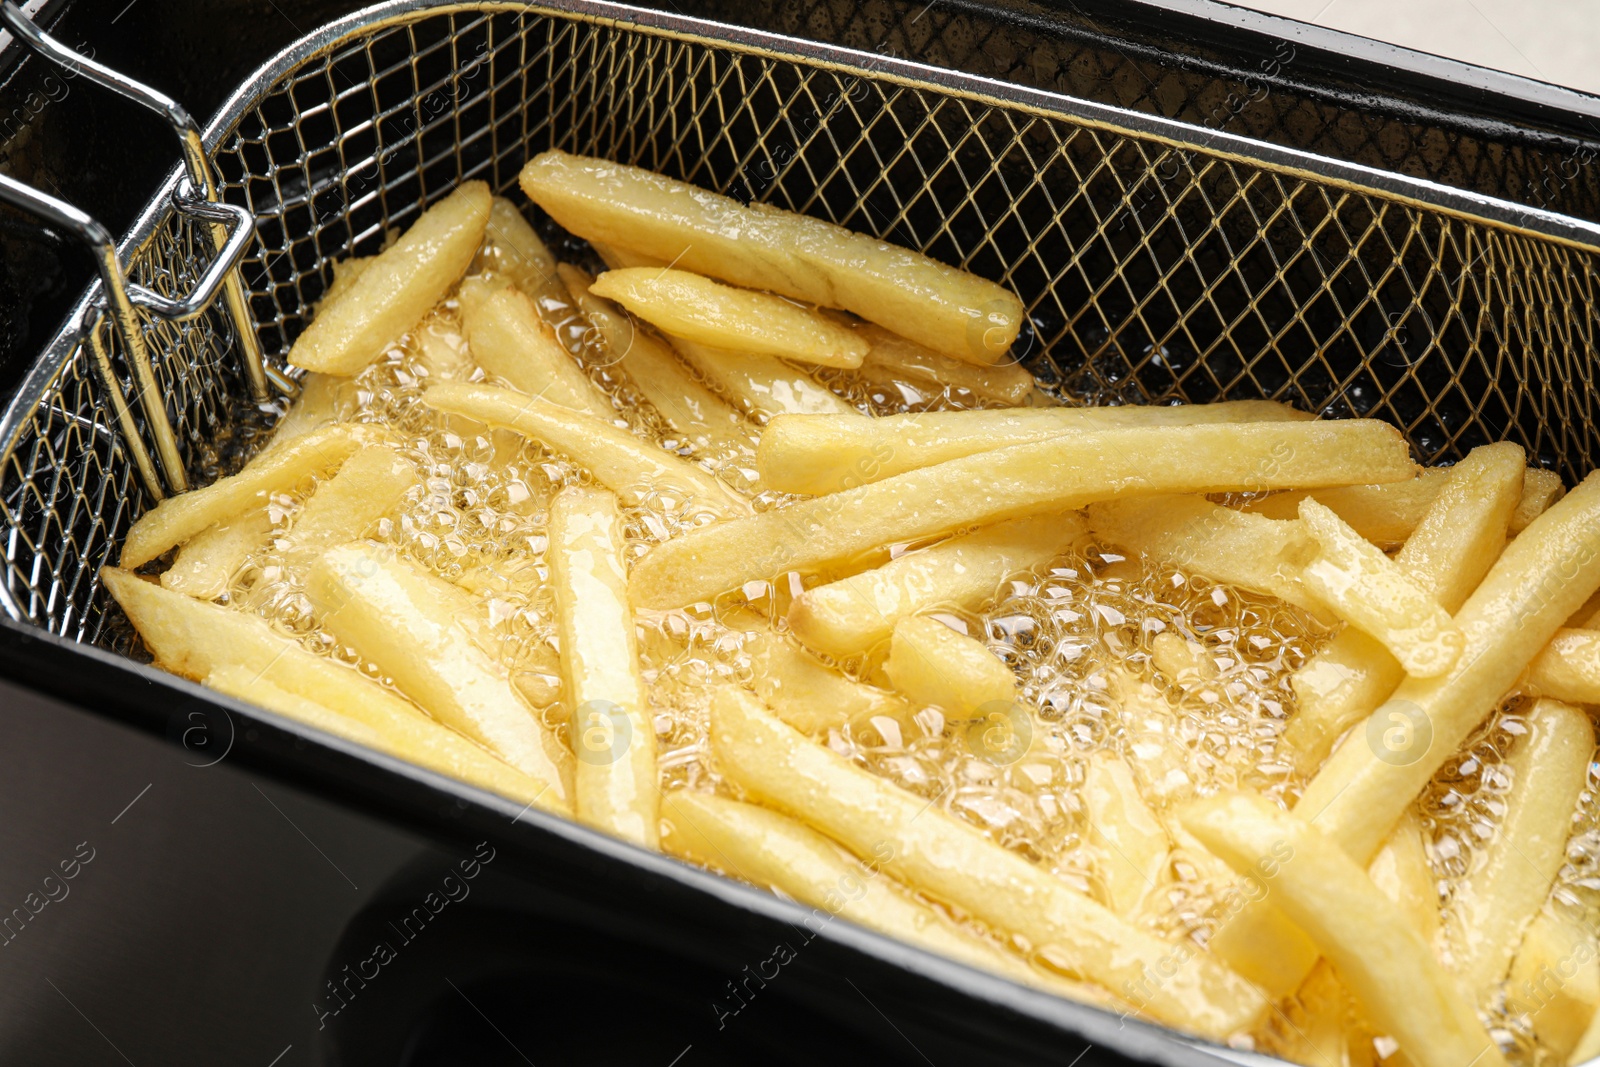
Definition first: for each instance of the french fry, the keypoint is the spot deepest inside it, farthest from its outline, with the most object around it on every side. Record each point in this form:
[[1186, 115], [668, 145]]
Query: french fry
[[684, 304], [761, 385], [616, 257], [178, 518], [1401, 871], [771, 850], [423, 632], [1460, 536], [443, 351], [1360, 793], [517, 250], [614, 782], [1494, 903], [1388, 514], [935, 853], [1131, 844], [197, 640], [1058, 474], [510, 341], [694, 411], [892, 358], [1554, 983], [1155, 748], [932, 664], [209, 560], [1588, 1046], [345, 273], [1568, 668], [1372, 593], [814, 455], [318, 404], [393, 293], [1263, 555], [758, 247], [618, 460], [369, 486], [1381, 959], [853, 614], [811, 696]]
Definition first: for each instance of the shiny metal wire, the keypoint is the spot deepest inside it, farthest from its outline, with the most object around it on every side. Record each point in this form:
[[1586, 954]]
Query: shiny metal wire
[[1159, 262]]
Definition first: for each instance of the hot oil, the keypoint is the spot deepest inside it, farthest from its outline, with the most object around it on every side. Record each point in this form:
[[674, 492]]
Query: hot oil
[[1089, 636]]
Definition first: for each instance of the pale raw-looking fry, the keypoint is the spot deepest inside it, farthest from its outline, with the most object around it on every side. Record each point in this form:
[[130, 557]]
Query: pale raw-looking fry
[[1380, 958], [1058, 474], [1360, 793], [614, 781], [443, 351], [423, 632], [208, 560], [1156, 751], [853, 614], [178, 518], [1555, 982], [1372, 593], [930, 850], [510, 341], [932, 664], [762, 386], [517, 250], [196, 640], [1494, 903], [618, 460], [683, 304], [1402, 872], [1567, 669], [617, 258], [1588, 1046], [1324, 1038], [892, 358], [769, 849], [369, 486], [811, 696], [759, 247], [1458, 539], [318, 404], [1388, 514], [398, 287], [694, 411], [1263, 555], [817, 455], [1131, 844]]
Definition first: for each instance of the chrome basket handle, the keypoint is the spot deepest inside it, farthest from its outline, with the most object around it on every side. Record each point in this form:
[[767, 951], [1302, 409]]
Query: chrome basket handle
[[195, 197]]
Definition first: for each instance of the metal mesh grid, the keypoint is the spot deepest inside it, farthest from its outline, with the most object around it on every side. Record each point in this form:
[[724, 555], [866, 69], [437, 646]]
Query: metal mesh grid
[[1152, 272]]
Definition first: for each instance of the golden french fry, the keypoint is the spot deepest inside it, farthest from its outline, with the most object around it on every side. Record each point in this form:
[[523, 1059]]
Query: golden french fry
[[1264, 555], [1131, 843], [1497, 899], [1058, 474], [510, 341], [1540, 489], [684, 304], [772, 850], [197, 640], [516, 250], [614, 782], [892, 358], [930, 850], [1372, 593], [1382, 960], [851, 615], [1461, 534], [932, 664], [1401, 871], [811, 696], [762, 386], [702, 417], [760, 247], [424, 633], [209, 560], [393, 293], [1554, 983], [369, 485], [817, 454], [1538, 581], [1568, 668], [618, 460], [345, 273], [178, 518]]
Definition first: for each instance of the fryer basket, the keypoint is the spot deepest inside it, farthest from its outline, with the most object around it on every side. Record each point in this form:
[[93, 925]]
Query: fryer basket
[[1159, 262]]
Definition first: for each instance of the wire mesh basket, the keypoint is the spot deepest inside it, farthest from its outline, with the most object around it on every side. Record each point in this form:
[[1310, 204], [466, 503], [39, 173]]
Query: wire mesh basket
[[1159, 262]]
